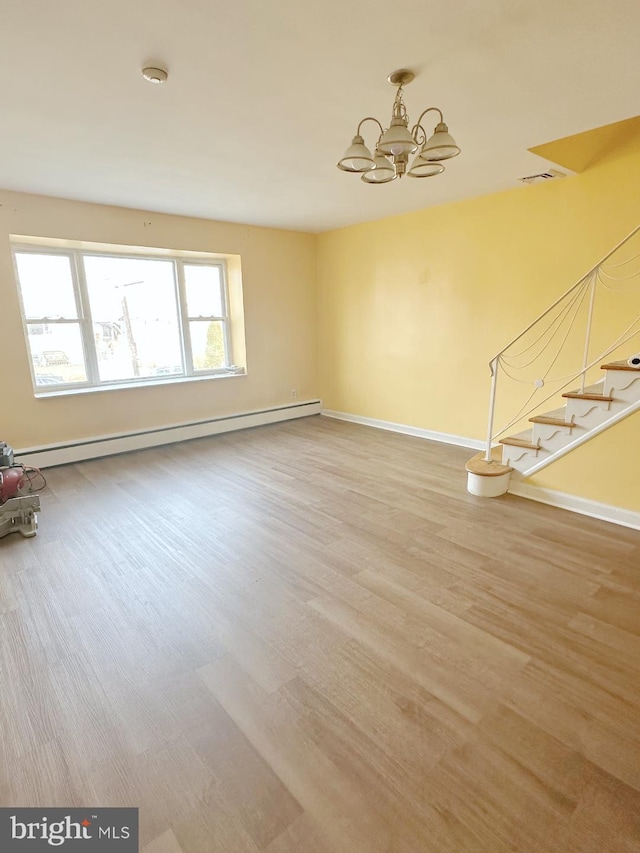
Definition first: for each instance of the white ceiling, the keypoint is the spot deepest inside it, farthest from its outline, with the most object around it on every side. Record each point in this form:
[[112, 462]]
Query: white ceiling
[[264, 96]]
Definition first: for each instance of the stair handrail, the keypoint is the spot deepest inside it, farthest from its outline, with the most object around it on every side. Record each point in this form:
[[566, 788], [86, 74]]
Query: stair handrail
[[494, 362]]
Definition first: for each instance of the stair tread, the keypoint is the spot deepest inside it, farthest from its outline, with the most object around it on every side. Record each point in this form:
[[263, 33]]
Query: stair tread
[[619, 365], [479, 465], [588, 395], [516, 441], [546, 419]]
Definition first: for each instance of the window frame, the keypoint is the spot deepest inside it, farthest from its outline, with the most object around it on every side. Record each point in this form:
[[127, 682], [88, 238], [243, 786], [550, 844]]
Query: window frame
[[84, 318], [186, 318]]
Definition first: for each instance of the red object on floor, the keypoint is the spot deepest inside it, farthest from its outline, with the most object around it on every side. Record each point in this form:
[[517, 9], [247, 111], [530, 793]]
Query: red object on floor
[[11, 480]]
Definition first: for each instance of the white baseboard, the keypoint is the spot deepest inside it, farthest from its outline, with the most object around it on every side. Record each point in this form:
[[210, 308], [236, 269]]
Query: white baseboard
[[107, 445], [444, 437], [583, 506], [64, 453], [573, 503]]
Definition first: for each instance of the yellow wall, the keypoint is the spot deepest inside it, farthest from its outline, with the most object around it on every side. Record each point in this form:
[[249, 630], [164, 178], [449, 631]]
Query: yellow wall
[[412, 308], [279, 286]]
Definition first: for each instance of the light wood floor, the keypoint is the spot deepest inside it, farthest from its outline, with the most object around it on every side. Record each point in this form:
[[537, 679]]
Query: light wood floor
[[308, 638]]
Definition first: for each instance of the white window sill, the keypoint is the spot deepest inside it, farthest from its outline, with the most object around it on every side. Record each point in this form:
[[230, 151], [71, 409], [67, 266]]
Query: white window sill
[[123, 386]]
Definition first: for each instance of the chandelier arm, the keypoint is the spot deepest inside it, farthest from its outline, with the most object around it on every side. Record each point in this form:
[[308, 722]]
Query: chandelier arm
[[370, 118], [422, 115], [414, 133]]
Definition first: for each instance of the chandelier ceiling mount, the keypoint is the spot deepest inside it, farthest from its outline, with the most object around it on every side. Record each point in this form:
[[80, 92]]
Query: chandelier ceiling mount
[[401, 78]]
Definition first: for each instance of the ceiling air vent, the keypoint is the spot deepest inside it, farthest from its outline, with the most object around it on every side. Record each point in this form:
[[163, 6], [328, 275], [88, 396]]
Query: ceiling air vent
[[551, 175]]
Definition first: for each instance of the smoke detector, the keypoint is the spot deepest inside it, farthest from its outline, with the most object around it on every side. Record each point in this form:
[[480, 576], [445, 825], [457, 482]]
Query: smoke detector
[[155, 75], [550, 175]]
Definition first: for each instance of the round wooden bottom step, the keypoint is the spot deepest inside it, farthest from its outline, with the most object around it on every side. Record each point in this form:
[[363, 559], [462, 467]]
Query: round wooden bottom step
[[487, 479]]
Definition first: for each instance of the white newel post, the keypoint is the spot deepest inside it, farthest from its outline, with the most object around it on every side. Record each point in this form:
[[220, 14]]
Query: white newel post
[[492, 405], [587, 339]]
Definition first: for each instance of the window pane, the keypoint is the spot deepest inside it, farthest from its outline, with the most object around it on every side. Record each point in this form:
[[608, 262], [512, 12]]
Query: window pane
[[204, 290], [135, 317], [56, 353], [46, 285], [208, 344]]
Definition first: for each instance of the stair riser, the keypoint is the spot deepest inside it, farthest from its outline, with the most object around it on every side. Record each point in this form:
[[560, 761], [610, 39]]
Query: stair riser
[[488, 487], [548, 435], [579, 411], [520, 458], [622, 385]]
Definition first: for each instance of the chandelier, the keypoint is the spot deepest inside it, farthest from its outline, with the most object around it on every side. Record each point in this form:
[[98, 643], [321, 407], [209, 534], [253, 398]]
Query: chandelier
[[397, 143]]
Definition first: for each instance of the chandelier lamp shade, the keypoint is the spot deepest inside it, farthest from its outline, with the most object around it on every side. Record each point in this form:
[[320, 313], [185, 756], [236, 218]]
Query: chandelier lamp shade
[[396, 144]]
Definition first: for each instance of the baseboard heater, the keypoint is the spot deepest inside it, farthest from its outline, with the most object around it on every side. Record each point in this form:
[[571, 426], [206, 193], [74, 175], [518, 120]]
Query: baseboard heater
[[64, 453]]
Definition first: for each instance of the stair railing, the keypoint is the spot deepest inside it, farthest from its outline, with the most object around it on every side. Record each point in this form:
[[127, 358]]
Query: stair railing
[[559, 325]]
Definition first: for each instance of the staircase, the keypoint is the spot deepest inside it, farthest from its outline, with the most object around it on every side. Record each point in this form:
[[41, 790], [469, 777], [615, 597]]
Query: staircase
[[535, 357]]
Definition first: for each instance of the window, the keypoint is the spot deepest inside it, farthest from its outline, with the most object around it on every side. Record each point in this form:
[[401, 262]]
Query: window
[[95, 319]]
